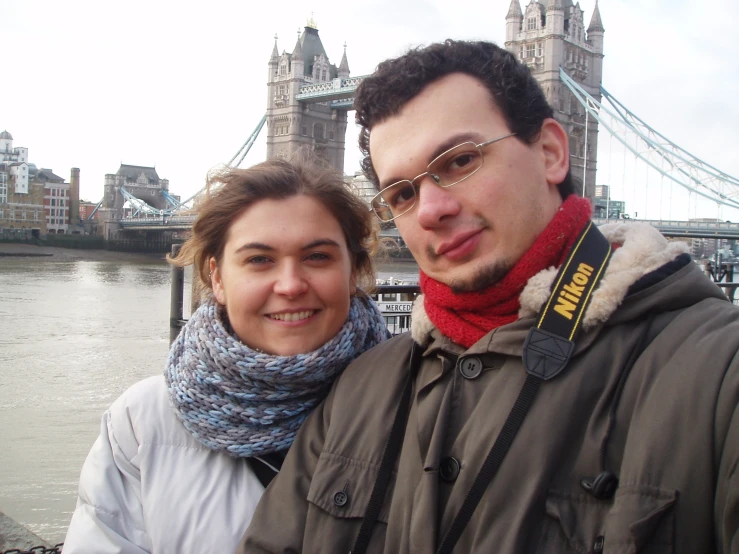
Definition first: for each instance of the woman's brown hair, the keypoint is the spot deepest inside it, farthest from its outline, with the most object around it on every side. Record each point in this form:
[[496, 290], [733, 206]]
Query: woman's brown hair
[[231, 191]]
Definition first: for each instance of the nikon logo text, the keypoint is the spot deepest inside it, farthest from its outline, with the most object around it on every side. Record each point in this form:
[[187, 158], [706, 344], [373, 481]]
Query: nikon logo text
[[571, 294]]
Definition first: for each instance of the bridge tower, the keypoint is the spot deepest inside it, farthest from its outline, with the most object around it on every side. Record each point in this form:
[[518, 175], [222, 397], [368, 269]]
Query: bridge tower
[[293, 125], [142, 182], [550, 34]]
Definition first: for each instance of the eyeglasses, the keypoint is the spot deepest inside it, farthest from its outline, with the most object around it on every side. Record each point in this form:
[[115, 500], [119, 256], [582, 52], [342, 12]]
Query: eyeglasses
[[446, 170]]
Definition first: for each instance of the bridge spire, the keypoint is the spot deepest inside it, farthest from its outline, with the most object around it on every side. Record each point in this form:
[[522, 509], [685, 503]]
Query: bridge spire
[[514, 11], [298, 50], [344, 65], [275, 53], [596, 25]]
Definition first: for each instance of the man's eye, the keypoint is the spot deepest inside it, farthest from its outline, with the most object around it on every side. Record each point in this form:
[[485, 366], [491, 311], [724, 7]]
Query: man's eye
[[461, 161], [400, 195]]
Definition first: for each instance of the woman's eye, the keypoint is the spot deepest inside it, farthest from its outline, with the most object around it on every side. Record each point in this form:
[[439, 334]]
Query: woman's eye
[[318, 257], [258, 260]]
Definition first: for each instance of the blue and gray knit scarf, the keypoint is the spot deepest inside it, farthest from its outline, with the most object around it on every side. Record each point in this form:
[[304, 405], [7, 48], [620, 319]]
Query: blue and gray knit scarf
[[243, 402]]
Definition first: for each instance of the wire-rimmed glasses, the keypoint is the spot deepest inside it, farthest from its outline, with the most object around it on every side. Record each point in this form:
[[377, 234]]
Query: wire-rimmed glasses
[[446, 169]]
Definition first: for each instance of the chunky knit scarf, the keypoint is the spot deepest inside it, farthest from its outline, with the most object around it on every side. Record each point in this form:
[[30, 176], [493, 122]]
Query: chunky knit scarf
[[243, 402], [467, 317]]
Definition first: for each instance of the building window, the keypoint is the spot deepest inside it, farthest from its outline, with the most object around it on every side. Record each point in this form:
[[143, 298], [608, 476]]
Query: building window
[[539, 50], [318, 130], [304, 130], [330, 135], [530, 50], [53, 202], [531, 24]]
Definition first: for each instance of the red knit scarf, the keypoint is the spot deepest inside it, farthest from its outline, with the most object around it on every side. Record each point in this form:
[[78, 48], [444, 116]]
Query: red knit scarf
[[467, 317]]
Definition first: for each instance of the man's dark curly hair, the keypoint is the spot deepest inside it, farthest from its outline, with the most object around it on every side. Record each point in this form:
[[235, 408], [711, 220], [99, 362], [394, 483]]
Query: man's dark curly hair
[[397, 81]]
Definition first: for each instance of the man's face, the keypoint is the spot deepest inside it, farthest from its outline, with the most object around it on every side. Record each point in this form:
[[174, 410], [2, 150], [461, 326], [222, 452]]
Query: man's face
[[469, 235]]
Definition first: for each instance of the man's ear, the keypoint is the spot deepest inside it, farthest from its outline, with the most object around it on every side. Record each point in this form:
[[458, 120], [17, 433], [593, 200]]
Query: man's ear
[[555, 148], [216, 284]]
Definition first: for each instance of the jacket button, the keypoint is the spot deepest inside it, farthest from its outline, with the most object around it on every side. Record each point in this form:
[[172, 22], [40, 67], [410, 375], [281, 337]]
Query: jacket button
[[449, 469], [341, 498], [470, 368]]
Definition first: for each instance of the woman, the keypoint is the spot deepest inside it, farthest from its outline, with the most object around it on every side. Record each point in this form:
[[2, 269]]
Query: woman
[[181, 459]]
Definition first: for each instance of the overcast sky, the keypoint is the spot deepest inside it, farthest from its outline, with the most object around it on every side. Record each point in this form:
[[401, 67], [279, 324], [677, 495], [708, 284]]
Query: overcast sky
[[181, 85]]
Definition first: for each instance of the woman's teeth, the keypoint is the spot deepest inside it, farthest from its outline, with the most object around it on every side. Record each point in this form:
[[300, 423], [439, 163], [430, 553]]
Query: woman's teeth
[[294, 316]]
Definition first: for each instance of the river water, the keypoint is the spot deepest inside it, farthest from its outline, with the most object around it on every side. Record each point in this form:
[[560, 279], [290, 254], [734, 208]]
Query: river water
[[74, 334]]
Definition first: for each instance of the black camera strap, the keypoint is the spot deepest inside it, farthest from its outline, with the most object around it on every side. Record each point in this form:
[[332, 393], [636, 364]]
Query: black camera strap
[[546, 352]]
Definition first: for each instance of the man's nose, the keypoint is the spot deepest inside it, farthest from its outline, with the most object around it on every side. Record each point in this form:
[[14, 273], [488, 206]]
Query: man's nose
[[290, 280], [434, 203]]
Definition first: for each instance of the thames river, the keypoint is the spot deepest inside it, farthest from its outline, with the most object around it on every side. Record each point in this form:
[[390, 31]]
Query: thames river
[[74, 334]]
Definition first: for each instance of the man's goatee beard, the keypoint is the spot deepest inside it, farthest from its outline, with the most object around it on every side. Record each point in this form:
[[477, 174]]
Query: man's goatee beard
[[484, 277]]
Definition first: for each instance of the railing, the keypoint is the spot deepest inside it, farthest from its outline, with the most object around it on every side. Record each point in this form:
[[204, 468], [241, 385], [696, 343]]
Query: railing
[[161, 221], [688, 229], [334, 88], [176, 321]]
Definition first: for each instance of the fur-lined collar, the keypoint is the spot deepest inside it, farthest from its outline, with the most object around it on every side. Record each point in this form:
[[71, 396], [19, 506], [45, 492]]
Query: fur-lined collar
[[642, 250]]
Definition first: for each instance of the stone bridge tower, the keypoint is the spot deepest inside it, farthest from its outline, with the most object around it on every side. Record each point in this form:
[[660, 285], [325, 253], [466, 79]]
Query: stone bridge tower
[[550, 34], [293, 125], [142, 182]]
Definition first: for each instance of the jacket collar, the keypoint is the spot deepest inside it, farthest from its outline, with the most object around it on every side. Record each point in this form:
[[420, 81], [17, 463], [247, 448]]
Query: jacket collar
[[642, 249]]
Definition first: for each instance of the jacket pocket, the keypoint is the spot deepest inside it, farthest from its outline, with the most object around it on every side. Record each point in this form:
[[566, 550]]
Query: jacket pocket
[[342, 487], [639, 519]]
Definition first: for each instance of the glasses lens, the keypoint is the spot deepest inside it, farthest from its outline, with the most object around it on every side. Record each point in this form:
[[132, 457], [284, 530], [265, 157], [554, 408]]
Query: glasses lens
[[395, 200], [456, 164]]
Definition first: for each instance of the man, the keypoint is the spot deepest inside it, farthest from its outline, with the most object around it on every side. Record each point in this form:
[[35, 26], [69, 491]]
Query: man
[[531, 415]]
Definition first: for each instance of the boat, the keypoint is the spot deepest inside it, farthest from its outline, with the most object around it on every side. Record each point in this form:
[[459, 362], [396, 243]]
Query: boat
[[395, 299]]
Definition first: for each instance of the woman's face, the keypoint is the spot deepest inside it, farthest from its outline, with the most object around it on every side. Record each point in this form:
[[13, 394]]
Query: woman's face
[[285, 277]]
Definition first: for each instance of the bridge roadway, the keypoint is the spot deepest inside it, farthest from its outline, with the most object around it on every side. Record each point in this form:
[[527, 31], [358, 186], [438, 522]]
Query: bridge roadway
[[686, 229]]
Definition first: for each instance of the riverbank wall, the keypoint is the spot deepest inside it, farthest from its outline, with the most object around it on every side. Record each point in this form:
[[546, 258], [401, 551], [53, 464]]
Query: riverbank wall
[[33, 252], [159, 245], [14, 536]]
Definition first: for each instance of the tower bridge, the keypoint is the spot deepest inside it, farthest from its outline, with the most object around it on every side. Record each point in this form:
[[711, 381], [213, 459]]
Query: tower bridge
[[309, 97]]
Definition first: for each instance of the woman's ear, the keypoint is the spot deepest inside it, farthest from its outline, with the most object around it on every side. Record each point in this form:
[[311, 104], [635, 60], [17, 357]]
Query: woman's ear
[[216, 284], [555, 147]]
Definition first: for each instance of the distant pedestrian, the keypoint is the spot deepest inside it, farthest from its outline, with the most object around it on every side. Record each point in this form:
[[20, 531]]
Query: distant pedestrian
[[182, 458]]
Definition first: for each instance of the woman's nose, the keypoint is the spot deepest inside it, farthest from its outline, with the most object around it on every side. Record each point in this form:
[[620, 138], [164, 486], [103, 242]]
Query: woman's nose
[[290, 281]]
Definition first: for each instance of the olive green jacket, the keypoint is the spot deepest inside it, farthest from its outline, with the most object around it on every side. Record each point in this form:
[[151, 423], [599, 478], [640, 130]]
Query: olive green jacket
[[668, 428]]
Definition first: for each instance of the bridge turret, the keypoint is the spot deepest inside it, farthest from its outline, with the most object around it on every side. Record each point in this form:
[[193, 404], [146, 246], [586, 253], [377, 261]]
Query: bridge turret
[[297, 70], [596, 30], [555, 17], [109, 191], [513, 21]]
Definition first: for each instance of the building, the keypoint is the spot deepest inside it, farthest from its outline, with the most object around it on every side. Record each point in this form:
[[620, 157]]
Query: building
[[21, 196], [126, 192], [362, 187], [56, 202], [550, 34], [292, 125], [87, 209]]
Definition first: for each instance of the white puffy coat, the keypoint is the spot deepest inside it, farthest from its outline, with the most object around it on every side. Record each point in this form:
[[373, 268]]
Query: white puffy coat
[[147, 486]]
